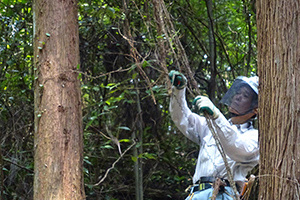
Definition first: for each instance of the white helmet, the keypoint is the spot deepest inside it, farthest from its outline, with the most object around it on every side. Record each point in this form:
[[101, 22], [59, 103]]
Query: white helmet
[[242, 97], [252, 82]]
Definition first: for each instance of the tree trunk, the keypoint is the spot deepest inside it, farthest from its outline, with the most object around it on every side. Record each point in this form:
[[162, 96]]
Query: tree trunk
[[1, 174], [137, 134], [248, 16], [279, 71], [212, 51], [58, 119], [138, 165]]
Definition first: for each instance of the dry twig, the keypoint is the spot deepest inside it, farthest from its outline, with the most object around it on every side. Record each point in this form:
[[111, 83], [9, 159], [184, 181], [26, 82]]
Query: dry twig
[[113, 165]]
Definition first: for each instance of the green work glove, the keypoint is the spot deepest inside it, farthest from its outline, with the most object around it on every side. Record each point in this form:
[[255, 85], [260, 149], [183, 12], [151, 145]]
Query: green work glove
[[177, 79], [203, 104]]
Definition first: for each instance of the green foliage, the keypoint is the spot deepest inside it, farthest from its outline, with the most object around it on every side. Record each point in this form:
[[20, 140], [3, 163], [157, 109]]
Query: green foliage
[[111, 82], [16, 99]]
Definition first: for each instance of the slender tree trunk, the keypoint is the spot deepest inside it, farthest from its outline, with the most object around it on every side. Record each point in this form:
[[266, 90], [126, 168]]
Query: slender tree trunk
[[162, 50], [138, 166], [1, 174], [212, 51], [138, 134], [247, 13], [279, 113], [58, 119]]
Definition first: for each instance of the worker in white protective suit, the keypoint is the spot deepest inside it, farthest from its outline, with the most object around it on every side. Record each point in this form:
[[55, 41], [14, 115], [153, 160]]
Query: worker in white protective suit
[[237, 136]]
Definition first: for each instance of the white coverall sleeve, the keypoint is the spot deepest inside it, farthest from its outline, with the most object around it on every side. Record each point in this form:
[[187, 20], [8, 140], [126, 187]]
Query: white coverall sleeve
[[241, 147], [190, 124]]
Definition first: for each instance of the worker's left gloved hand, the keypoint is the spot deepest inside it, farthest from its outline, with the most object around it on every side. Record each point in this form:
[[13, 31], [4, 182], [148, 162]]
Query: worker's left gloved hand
[[203, 104], [177, 79]]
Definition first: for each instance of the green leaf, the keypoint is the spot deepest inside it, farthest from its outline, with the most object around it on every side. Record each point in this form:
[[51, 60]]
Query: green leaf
[[134, 75], [124, 128], [106, 147], [95, 88], [125, 140], [87, 161], [145, 64], [149, 155], [90, 186], [133, 158], [86, 170]]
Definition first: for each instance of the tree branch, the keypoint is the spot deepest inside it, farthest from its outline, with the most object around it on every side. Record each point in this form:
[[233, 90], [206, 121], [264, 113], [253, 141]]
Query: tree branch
[[20, 166], [113, 165]]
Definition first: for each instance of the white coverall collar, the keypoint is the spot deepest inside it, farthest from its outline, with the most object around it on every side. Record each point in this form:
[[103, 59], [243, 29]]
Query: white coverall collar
[[243, 127]]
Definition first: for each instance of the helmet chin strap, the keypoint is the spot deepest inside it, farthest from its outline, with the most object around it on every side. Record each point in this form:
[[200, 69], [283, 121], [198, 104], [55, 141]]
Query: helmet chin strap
[[240, 119], [233, 111]]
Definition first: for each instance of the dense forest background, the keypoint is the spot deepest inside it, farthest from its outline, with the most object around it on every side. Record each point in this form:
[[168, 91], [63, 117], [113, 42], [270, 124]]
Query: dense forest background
[[124, 53]]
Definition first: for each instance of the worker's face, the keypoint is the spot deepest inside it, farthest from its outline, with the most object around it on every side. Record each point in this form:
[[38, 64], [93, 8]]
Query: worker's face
[[242, 100]]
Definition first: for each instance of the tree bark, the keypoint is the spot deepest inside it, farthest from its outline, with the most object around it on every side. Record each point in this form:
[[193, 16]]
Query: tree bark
[[279, 103], [58, 119]]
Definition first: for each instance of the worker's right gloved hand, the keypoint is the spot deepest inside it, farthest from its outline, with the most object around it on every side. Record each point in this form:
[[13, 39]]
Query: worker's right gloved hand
[[204, 105], [177, 79]]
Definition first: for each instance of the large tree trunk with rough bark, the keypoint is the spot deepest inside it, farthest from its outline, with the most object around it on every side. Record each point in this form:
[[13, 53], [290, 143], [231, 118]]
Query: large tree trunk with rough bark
[[58, 118], [278, 25]]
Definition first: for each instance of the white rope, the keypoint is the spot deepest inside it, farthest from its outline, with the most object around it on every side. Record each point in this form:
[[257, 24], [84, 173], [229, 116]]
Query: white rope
[[211, 124]]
